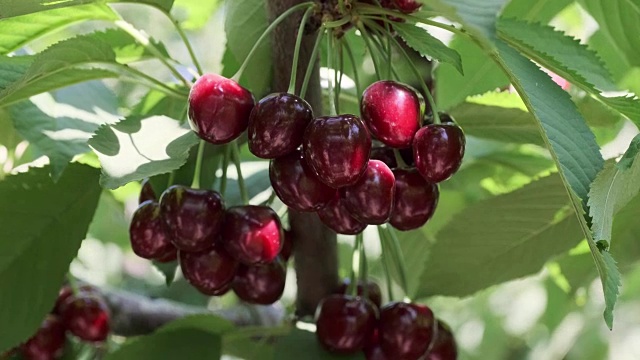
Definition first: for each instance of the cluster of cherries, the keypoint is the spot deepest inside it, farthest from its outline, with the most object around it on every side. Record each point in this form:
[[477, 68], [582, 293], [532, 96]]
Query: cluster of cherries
[[83, 314]]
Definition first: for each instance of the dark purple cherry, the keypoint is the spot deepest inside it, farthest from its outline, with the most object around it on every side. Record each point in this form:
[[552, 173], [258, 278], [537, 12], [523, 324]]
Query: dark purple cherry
[[375, 353], [261, 284], [444, 347], [147, 192], [148, 232], [345, 323], [415, 200], [66, 293], [336, 216], [385, 155], [86, 316], [337, 149], [252, 234], [406, 330], [296, 184], [168, 256], [209, 271], [287, 245], [392, 111], [219, 108], [373, 290], [438, 150], [277, 124], [193, 217], [370, 199], [47, 343], [407, 6]]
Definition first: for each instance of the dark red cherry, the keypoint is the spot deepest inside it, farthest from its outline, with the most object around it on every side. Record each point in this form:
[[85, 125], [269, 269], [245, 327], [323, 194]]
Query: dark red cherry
[[252, 234], [345, 323], [287, 245], [66, 293], [48, 342], [415, 200], [392, 111], [194, 217], [406, 330], [385, 155], [148, 232], [147, 192], [438, 150], [296, 184], [86, 316], [370, 199], [261, 284], [168, 256], [337, 149], [407, 156], [219, 108], [336, 216], [209, 271], [444, 347], [407, 6], [277, 124], [373, 290]]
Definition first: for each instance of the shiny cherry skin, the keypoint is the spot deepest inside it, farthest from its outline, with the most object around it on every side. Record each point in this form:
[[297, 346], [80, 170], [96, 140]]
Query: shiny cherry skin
[[336, 216], [373, 290], [148, 232], [147, 192], [252, 234], [296, 184], [407, 6], [277, 124], [345, 323], [209, 271], [444, 347], [406, 330], [169, 256], [261, 284], [385, 155], [48, 343], [287, 246], [219, 108], [370, 199], [337, 149], [86, 316], [194, 217], [438, 151], [392, 111], [415, 200]]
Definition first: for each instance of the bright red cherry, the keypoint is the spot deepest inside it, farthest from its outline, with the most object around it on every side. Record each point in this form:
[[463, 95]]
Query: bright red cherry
[[406, 330], [48, 342], [277, 124], [296, 184], [150, 238], [392, 111], [194, 217], [438, 150], [86, 316], [252, 234], [444, 347], [287, 245], [209, 271], [337, 149], [373, 290], [147, 192], [336, 216], [370, 199], [261, 284], [345, 323], [415, 200], [407, 6], [385, 155], [219, 108]]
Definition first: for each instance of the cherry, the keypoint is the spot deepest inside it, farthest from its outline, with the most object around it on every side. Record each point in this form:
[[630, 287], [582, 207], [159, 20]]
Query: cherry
[[86, 316], [277, 124], [66, 293], [336, 216], [407, 156], [219, 108], [345, 323], [370, 199], [373, 290], [194, 217], [169, 256], [407, 6], [444, 347], [375, 353], [415, 200], [48, 342], [438, 150], [296, 185], [208, 271], [149, 236], [385, 155], [392, 111], [406, 330], [337, 149], [252, 234], [287, 245], [147, 192], [261, 284]]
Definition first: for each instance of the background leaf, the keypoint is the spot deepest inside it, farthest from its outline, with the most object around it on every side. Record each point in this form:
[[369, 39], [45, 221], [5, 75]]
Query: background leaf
[[301, 344], [427, 45], [540, 11], [11, 8], [198, 12]]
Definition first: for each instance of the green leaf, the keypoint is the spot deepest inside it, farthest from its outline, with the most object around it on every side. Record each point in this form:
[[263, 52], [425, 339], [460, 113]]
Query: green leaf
[[109, 224], [125, 47], [42, 224], [138, 147], [540, 11], [9, 138], [301, 344], [428, 46], [610, 277], [12, 69], [168, 270], [11, 8], [198, 12]]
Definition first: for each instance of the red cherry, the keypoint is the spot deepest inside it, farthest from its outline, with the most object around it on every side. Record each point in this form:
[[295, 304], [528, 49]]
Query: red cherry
[[385, 155], [86, 316], [337, 149], [375, 353], [169, 256], [444, 347], [373, 290], [415, 200], [147, 192], [370, 199], [149, 236], [48, 342], [193, 217], [252, 234], [219, 108], [407, 6], [287, 245], [336, 216], [209, 271], [261, 284], [438, 150], [277, 124], [406, 330], [345, 323], [66, 293]]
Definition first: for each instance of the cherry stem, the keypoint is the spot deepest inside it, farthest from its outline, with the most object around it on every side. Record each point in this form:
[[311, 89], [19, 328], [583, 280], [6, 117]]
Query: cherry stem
[[235, 153], [383, 52], [296, 53], [271, 199], [225, 167], [365, 9], [172, 177], [312, 62], [186, 42], [337, 76], [73, 284], [352, 289], [195, 184], [160, 86], [337, 23], [399, 258], [385, 268], [367, 43], [399, 160], [363, 271], [333, 110], [268, 31], [356, 76]]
